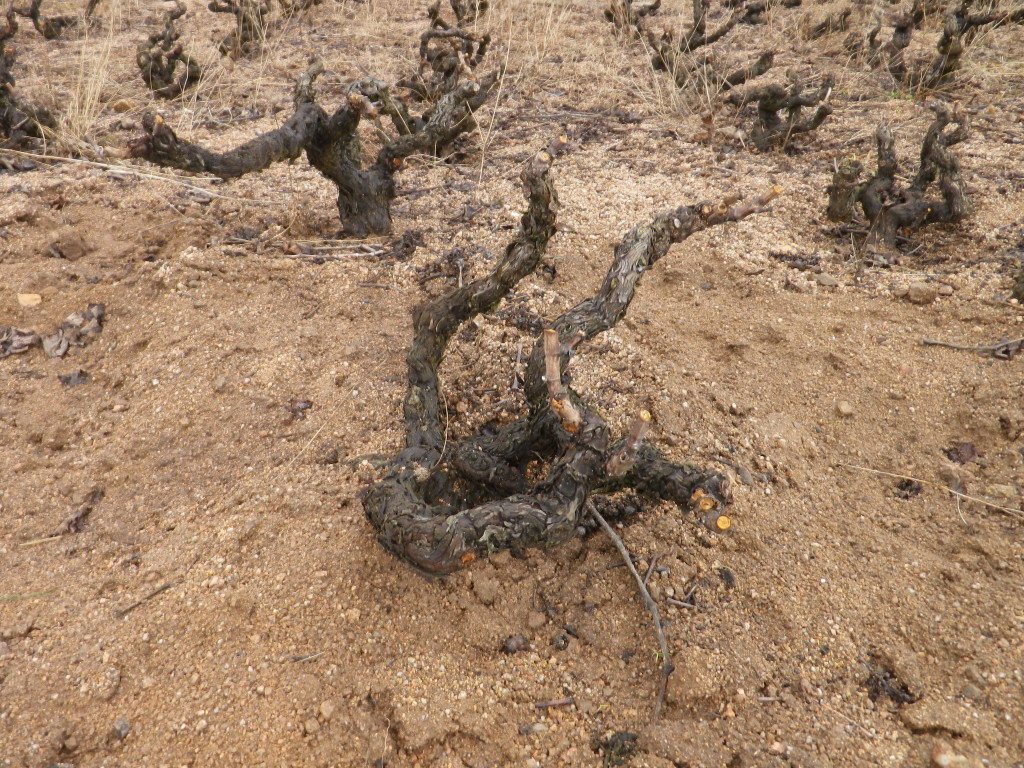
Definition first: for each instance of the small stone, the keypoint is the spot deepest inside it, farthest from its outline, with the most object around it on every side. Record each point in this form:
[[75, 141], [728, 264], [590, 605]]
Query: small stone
[[514, 644], [899, 291], [5, 649], [220, 383], [655, 589], [943, 756], [560, 641], [201, 726], [922, 293], [29, 299], [778, 748], [121, 728], [536, 620], [311, 726], [945, 290], [826, 280], [147, 683], [972, 692], [326, 710], [844, 408]]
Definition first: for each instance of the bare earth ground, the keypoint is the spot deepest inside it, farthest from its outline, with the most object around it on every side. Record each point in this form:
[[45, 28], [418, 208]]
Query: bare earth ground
[[838, 624]]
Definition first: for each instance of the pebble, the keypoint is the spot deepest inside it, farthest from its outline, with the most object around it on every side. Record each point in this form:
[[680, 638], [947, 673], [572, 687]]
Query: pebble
[[121, 728], [536, 620], [945, 290], [201, 726], [311, 726], [514, 644], [844, 408], [972, 692], [826, 280], [326, 710], [943, 756], [5, 649], [655, 589], [922, 293]]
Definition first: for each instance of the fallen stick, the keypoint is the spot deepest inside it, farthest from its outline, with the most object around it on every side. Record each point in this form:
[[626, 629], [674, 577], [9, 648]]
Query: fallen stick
[[1004, 350], [666, 663]]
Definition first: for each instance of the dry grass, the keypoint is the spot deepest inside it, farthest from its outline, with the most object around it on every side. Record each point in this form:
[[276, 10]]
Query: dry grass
[[538, 42]]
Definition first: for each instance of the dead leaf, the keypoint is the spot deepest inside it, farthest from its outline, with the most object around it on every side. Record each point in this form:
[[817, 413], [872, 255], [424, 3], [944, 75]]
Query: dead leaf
[[15, 340]]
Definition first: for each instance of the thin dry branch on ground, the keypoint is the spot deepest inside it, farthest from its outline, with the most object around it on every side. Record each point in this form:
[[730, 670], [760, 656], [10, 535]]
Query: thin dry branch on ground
[[440, 506], [20, 120], [886, 204], [165, 67], [331, 143], [773, 130]]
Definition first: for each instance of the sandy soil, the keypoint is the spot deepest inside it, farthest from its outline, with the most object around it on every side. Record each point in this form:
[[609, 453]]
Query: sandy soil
[[850, 617]]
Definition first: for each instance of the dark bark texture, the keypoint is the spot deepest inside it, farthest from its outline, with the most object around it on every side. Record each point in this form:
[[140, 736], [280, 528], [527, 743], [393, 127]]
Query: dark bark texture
[[49, 27], [958, 31], [447, 52], [20, 120], [332, 145], [252, 24], [888, 206], [688, 57], [772, 129], [165, 67], [440, 506]]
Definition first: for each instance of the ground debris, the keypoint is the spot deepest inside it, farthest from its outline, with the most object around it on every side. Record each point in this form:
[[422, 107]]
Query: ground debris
[[73, 332]]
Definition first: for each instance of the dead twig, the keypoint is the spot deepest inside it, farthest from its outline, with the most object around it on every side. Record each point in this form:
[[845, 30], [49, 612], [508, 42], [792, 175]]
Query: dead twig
[[120, 614], [666, 658], [73, 522], [568, 701], [1005, 349], [1011, 511]]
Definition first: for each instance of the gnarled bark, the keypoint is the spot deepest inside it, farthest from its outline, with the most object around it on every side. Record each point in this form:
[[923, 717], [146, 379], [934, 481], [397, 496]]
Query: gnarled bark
[[958, 30], [161, 54], [49, 27], [773, 130], [447, 53], [422, 509], [889, 207], [20, 120], [252, 23], [331, 144], [689, 59]]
